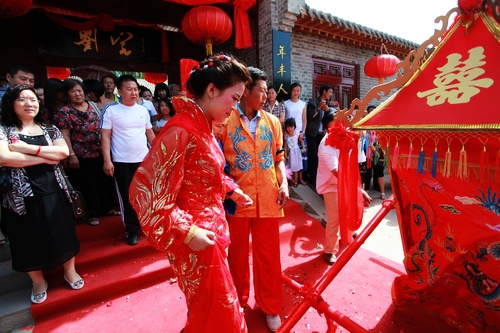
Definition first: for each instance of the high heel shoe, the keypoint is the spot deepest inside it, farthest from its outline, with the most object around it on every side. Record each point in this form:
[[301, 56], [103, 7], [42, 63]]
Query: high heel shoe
[[41, 297], [382, 196], [75, 285]]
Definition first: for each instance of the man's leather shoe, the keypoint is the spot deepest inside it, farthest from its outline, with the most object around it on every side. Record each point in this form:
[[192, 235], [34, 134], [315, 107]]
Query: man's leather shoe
[[132, 239], [330, 258]]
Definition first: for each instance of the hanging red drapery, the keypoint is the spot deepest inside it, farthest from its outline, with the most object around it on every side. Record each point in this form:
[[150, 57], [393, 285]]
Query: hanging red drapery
[[13, 8], [105, 22], [165, 54], [187, 66], [243, 34], [349, 195], [60, 73], [242, 30]]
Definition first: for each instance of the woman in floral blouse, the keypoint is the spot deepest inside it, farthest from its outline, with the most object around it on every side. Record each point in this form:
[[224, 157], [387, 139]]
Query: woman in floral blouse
[[273, 106], [79, 123]]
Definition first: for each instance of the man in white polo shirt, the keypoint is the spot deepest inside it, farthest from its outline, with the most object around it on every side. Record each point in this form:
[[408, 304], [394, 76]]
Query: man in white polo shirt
[[126, 131]]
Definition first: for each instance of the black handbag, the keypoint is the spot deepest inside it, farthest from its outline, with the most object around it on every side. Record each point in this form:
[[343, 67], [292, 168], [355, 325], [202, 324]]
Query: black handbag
[[5, 180], [78, 205]]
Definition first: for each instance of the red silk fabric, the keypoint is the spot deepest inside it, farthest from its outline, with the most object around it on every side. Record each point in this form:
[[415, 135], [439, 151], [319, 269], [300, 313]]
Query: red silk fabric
[[349, 192], [187, 66], [179, 184], [243, 39], [451, 229]]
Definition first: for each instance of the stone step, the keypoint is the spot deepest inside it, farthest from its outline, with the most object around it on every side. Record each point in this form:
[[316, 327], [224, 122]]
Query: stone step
[[12, 281], [15, 291], [15, 310], [5, 253]]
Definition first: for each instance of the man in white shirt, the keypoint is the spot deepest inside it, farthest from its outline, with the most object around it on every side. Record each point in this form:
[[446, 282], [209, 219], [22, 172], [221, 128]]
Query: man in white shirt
[[126, 132], [327, 185]]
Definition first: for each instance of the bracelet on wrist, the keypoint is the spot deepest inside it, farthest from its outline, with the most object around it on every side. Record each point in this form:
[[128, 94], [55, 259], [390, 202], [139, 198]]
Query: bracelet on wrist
[[191, 234], [38, 151]]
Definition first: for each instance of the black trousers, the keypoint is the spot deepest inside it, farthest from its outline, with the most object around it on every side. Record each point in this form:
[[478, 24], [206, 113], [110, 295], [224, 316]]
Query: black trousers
[[94, 184], [312, 156], [124, 172]]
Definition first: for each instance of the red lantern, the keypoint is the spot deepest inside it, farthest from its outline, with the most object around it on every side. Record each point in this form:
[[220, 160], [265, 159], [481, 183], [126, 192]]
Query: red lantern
[[382, 66], [207, 25], [60, 73], [13, 8], [155, 78]]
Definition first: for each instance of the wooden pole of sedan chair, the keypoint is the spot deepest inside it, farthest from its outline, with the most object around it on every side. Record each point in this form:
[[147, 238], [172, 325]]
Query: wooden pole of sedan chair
[[312, 294]]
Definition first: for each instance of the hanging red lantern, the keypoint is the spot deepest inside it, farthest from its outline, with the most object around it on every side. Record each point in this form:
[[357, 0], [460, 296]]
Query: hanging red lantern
[[60, 73], [207, 25], [155, 78], [382, 66], [13, 8]]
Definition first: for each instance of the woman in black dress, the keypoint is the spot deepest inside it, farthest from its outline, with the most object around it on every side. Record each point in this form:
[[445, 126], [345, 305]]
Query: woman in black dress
[[36, 212]]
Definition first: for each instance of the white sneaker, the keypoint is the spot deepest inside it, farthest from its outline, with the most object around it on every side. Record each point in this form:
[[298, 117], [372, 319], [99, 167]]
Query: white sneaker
[[273, 322]]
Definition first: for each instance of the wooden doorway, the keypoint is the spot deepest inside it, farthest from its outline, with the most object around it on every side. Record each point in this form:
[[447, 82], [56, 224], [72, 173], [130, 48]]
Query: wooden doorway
[[341, 76]]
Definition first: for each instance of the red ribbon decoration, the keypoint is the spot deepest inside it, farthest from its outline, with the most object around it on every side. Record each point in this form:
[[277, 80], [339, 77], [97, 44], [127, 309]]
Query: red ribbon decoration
[[187, 66], [349, 194], [243, 35]]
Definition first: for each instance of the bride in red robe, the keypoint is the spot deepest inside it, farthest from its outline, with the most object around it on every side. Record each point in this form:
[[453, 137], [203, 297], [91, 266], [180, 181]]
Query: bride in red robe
[[178, 194]]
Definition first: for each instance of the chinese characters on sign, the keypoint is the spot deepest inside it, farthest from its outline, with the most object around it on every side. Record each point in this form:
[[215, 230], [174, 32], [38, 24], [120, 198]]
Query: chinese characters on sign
[[127, 44], [281, 64], [459, 80], [88, 39], [123, 50]]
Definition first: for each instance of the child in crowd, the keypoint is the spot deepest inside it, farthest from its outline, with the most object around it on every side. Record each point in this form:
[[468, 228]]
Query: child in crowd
[[293, 153], [166, 112]]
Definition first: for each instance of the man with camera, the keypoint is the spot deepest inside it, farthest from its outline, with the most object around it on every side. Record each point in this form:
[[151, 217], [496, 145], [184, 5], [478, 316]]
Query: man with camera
[[316, 109]]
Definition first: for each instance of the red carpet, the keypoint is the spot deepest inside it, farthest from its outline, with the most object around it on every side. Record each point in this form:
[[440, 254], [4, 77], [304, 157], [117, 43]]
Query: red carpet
[[128, 289]]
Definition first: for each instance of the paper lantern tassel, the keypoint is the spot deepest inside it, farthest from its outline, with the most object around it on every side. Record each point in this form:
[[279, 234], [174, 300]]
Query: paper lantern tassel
[[395, 156], [410, 154], [462, 163], [434, 162], [483, 166], [447, 163], [421, 160]]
